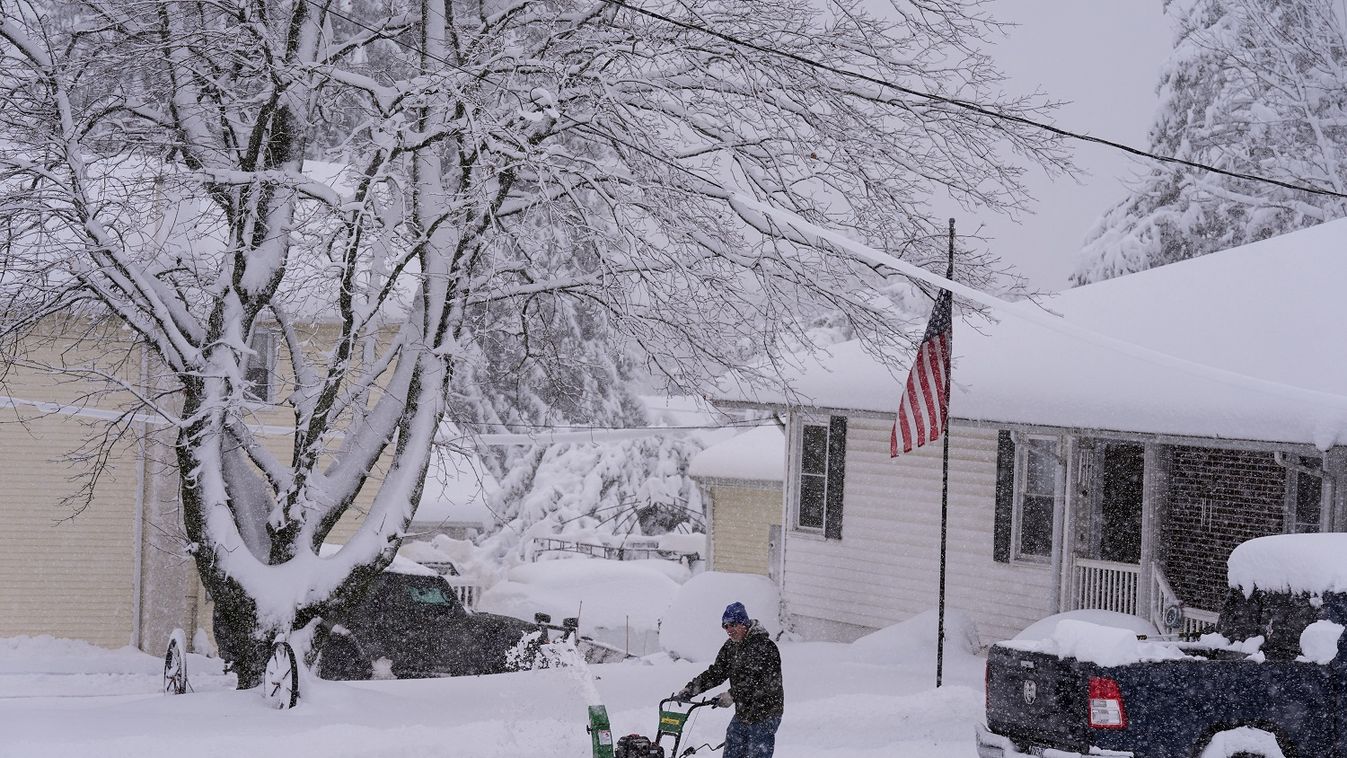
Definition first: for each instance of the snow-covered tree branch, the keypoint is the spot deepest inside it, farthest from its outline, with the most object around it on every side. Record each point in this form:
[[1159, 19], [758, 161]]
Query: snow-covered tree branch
[[471, 210]]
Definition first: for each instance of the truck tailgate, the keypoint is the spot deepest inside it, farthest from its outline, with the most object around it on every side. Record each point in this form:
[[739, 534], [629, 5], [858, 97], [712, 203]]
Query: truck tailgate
[[1036, 699]]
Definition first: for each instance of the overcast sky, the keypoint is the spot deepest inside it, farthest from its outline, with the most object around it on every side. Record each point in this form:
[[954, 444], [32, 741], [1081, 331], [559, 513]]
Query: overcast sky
[[1104, 56]]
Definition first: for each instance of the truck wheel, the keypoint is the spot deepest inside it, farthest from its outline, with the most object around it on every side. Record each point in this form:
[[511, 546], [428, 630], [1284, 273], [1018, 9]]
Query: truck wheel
[[1242, 742]]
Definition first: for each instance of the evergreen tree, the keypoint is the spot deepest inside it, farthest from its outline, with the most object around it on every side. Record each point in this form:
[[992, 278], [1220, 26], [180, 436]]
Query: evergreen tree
[[1253, 86]]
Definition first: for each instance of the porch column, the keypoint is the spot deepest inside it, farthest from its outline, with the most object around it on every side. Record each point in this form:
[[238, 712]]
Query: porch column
[[1154, 502], [1061, 525]]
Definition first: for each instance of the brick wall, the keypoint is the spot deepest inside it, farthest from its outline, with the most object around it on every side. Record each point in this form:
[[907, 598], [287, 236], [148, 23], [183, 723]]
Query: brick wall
[[1217, 499]]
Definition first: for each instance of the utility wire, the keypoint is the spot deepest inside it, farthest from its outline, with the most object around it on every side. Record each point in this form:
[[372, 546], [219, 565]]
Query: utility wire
[[964, 104], [971, 106]]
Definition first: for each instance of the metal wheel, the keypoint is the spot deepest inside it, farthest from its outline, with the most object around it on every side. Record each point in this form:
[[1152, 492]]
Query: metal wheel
[[175, 666], [280, 679]]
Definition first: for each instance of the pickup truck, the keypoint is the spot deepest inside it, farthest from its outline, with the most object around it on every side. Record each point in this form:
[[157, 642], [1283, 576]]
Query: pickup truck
[[1271, 682]]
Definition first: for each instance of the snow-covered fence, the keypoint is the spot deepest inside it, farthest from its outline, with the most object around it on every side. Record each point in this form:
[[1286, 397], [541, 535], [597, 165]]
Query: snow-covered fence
[[624, 552], [468, 590]]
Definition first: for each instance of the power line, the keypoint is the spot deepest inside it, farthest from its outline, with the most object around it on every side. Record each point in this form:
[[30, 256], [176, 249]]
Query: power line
[[974, 107], [964, 104]]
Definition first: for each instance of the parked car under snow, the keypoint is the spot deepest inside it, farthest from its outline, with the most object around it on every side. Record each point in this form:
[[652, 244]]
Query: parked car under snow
[[410, 624]]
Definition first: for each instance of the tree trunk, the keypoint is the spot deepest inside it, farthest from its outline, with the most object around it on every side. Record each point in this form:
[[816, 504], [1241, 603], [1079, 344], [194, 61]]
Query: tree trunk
[[241, 640]]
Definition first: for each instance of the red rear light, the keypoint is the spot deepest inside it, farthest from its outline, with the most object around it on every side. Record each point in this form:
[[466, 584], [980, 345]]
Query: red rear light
[[1106, 704]]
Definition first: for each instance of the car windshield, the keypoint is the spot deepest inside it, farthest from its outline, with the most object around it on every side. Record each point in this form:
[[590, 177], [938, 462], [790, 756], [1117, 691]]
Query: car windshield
[[429, 596]]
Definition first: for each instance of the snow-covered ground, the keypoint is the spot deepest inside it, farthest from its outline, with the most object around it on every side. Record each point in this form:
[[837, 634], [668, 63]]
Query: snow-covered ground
[[837, 704], [873, 698]]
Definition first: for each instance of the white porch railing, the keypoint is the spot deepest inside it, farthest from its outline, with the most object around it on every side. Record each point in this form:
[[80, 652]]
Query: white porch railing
[[1194, 620], [1197, 621], [1162, 597], [1110, 586], [1106, 585]]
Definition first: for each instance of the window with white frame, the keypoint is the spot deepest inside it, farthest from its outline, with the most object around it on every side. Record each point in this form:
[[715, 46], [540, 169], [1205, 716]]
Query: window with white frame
[[1026, 496], [818, 505], [259, 368], [1035, 498]]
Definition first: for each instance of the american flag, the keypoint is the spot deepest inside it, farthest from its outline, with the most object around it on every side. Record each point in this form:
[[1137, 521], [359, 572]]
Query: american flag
[[922, 414]]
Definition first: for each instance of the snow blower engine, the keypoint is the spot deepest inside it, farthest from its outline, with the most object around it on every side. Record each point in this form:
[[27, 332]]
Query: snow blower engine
[[672, 721]]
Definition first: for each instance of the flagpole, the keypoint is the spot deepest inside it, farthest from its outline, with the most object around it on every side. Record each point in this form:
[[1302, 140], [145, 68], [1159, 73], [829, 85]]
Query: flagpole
[[944, 493]]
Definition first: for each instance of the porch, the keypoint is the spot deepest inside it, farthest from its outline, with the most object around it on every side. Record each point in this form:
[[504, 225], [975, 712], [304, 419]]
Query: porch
[[1125, 522], [1114, 586]]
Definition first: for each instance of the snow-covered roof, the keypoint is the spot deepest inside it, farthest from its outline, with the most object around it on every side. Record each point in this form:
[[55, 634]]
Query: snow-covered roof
[[456, 490], [757, 455], [399, 565], [1258, 311]]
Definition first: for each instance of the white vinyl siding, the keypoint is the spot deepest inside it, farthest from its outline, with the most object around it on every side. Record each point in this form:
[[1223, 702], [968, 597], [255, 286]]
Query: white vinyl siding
[[886, 567]]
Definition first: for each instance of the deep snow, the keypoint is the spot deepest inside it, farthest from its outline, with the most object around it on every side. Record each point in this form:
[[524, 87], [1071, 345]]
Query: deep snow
[[867, 699], [838, 703]]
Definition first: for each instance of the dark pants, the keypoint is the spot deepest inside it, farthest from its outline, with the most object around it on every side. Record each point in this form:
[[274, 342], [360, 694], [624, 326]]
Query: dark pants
[[744, 740]]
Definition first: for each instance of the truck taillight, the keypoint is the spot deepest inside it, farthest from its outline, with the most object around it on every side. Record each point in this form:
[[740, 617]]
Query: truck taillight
[[1106, 704]]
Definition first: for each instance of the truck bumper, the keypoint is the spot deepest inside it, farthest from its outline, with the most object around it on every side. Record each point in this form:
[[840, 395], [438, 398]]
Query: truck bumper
[[992, 745]]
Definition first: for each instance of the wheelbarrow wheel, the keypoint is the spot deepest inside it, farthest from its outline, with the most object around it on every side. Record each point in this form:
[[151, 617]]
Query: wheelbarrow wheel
[[175, 666], [280, 679]]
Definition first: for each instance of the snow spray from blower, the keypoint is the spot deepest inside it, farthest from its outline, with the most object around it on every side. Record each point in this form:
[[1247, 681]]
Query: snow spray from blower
[[563, 654]]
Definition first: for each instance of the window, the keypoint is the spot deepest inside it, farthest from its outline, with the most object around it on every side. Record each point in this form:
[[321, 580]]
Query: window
[[1305, 492], [1037, 494], [259, 369], [1026, 497], [822, 470]]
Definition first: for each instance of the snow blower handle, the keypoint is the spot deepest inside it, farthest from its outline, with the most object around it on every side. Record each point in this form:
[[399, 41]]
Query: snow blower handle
[[689, 702], [673, 719]]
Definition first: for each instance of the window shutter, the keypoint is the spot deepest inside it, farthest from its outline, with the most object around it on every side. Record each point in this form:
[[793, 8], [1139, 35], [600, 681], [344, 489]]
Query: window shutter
[[1005, 497], [837, 463]]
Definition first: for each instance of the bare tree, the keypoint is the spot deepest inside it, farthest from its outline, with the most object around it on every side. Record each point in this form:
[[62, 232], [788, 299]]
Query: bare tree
[[503, 172]]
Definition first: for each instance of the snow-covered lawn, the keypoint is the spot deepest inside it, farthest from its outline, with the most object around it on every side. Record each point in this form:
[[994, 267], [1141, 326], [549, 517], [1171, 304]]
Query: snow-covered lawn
[[67, 699]]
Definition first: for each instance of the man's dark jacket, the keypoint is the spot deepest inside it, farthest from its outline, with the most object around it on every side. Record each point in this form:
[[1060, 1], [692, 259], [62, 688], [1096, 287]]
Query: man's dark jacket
[[754, 670]]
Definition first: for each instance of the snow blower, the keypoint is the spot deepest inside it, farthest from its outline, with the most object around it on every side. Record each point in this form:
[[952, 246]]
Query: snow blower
[[672, 721]]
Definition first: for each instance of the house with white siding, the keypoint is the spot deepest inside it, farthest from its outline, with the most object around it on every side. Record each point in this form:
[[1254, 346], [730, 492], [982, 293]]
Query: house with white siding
[[1113, 464]]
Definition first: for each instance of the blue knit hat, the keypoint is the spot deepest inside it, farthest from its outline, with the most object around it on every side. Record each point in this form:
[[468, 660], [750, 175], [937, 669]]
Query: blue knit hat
[[735, 613]]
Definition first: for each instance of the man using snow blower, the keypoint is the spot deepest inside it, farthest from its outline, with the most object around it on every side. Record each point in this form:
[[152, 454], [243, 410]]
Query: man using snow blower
[[750, 660]]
